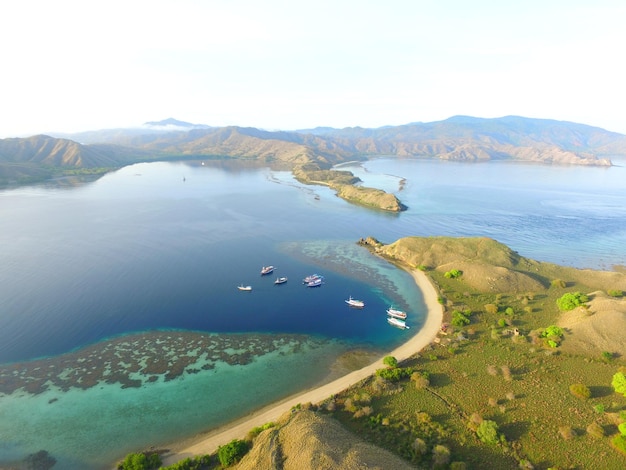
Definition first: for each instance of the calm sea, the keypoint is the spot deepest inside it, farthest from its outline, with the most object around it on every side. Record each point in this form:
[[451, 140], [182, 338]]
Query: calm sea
[[121, 325]]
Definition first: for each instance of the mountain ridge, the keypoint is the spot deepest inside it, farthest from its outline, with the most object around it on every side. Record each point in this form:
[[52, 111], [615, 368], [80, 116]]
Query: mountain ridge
[[459, 138]]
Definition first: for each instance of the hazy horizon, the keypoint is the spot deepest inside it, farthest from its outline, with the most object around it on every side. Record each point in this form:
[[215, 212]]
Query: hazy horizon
[[73, 66]]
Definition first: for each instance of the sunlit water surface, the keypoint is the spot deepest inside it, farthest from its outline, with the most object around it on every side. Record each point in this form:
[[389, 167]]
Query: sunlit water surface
[[121, 326]]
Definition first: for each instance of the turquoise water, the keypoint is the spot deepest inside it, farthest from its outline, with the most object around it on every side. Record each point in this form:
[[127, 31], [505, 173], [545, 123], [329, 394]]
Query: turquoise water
[[121, 326]]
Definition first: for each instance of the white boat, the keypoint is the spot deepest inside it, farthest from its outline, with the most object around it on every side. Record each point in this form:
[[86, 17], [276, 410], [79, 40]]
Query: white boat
[[246, 288], [392, 312], [311, 278], [315, 282], [355, 303], [397, 323], [267, 270], [280, 280]]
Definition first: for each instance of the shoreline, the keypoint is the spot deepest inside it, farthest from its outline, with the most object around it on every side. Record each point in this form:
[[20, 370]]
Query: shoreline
[[238, 429]]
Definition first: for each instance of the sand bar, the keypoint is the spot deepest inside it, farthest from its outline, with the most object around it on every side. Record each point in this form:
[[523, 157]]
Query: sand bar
[[240, 428]]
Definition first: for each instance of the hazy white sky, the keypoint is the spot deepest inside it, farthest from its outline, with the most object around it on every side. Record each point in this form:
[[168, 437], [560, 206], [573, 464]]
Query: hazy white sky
[[288, 64]]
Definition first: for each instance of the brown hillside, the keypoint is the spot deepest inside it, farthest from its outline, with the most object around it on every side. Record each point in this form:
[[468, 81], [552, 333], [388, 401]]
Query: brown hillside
[[597, 329], [487, 265], [306, 440]]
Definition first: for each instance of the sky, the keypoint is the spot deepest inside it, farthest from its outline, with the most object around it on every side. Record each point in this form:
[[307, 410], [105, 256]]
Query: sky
[[71, 66]]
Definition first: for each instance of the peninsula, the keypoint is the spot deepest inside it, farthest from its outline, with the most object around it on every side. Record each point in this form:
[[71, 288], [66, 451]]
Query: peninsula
[[495, 325]]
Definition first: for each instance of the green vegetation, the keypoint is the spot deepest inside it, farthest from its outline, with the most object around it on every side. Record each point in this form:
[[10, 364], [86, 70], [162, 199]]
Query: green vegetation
[[487, 432], [570, 301], [619, 383], [615, 293], [232, 452], [580, 391], [141, 461], [390, 361], [344, 183], [453, 274]]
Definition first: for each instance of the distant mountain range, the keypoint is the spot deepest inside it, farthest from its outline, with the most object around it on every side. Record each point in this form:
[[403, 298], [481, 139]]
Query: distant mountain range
[[461, 138]]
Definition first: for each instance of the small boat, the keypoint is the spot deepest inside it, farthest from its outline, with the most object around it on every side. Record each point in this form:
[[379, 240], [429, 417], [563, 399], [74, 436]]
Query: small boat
[[280, 280], [245, 288], [392, 312], [397, 323], [311, 278], [355, 303], [267, 270], [315, 282]]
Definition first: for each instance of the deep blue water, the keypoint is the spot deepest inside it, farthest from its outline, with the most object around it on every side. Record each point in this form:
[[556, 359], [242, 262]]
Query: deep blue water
[[163, 246]]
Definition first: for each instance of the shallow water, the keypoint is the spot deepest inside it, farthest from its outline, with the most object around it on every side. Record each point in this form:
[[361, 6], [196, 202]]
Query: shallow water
[[125, 287]]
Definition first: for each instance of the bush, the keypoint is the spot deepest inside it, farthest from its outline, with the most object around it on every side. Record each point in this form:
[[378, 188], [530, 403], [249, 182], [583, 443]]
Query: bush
[[619, 383], [615, 293], [232, 452], [396, 374], [619, 442], [140, 461], [453, 274], [560, 283], [595, 430], [390, 361], [460, 318], [570, 301], [197, 463], [580, 391], [488, 432]]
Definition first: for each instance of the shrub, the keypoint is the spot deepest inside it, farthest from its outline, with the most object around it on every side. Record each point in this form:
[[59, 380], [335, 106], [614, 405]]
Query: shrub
[[509, 311], [488, 432], [395, 375], [570, 301], [615, 293], [607, 356], [421, 380], [558, 283], [491, 308], [259, 429], [141, 461], [619, 442], [232, 452], [567, 432], [599, 408], [595, 430], [552, 331], [197, 463], [619, 383], [460, 318], [390, 361], [453, 274], [441, 455], [580, 391]]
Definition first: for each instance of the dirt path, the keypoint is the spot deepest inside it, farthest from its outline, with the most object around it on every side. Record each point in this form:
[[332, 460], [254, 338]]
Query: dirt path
[[238, 429]]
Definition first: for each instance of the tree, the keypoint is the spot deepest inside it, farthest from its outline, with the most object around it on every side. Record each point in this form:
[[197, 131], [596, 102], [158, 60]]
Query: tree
[[488, 432], [232, 452], [141, 461], [390, 361], [619, 383], [453, 274], [570, 301]]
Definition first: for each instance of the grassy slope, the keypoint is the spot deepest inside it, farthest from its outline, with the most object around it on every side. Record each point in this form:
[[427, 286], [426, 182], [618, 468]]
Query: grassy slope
[[532, 405]]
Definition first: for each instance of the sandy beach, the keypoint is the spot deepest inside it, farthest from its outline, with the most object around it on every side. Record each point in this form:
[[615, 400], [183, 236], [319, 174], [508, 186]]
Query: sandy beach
[[238, 429]]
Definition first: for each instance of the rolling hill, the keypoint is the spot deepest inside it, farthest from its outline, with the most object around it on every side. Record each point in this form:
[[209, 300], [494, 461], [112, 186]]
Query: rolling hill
[[460, 138]]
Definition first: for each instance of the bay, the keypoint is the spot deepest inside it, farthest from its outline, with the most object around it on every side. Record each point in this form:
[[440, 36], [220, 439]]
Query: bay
[[145, 261]]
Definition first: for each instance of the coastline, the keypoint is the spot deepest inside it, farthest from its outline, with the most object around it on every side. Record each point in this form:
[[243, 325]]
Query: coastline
[[238, 429]]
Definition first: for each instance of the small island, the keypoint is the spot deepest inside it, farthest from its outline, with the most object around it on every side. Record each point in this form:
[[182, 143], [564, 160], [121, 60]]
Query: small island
[[345, 184]]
